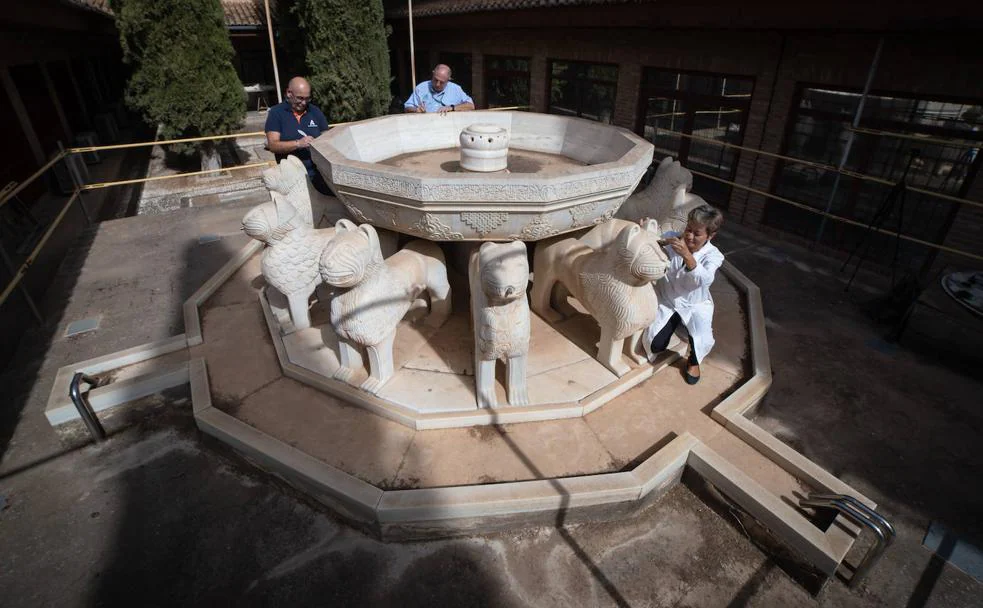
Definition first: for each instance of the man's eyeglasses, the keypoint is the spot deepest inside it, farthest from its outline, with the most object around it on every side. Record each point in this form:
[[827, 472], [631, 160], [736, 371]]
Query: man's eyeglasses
[[299, 98]]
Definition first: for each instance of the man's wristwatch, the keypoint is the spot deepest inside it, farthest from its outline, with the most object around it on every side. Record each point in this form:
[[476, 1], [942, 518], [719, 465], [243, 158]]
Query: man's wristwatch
[[452, 108]]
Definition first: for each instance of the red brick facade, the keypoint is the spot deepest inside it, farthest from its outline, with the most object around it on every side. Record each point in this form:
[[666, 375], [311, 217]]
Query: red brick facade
[[914, 63]]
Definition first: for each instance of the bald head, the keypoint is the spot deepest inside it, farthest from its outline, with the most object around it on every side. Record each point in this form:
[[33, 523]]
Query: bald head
[[299, 86], [298, 93], [444, 70], [440, 77]]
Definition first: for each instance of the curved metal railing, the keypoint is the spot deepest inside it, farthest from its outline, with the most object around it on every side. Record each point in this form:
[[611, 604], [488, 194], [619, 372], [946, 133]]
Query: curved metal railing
[[84, 408], [862, 515]]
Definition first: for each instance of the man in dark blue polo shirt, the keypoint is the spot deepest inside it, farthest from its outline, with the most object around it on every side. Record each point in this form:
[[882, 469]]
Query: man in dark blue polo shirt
[[291, 126]]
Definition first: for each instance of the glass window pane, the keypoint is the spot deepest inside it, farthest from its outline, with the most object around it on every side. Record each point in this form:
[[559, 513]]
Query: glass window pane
[[583, 89], [506, 81], [660, 79], [819, 133], [664, 119], [683, 110], [460, 64]]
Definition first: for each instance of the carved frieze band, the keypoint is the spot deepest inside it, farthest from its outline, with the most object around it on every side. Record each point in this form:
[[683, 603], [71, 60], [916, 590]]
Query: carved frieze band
[[580, 213], [432, 228], [539, 228], [484, 223], [356, 213], [483, 192]]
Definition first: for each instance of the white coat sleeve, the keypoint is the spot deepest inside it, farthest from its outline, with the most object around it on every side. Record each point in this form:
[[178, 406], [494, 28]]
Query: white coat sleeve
[[703, 274]]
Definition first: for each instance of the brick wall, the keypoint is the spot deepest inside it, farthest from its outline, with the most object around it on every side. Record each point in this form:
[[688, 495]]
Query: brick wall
[[930, 64]]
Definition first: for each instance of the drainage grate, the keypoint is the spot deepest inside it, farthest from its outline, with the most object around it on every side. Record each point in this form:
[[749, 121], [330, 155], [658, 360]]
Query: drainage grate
[[80, 327], [954, 550]]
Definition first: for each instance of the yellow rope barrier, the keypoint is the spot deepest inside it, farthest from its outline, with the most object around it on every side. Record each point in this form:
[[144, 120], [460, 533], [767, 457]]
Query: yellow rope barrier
[[836, 218], [34, 176], [265, 163], [956, 143], [37, 248], [847, 172], [164, 142]]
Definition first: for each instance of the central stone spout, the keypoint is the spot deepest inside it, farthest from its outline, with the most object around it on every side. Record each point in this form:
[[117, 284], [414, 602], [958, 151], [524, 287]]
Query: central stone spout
[[484, 148]]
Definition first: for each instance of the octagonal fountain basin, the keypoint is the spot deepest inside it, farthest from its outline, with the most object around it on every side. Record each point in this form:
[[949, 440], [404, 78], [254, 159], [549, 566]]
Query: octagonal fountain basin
[[404, 173]]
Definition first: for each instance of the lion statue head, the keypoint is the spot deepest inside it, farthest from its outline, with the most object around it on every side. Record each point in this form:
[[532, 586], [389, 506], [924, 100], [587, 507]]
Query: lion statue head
[[350, 255], [286, 177], [270, 222], [504, 271], [668, 189], [289, 179], [638, 250]]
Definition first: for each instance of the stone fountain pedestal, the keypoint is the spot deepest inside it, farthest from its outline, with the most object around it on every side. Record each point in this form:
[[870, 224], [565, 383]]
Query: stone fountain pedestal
[[420, 458], [484, 148]]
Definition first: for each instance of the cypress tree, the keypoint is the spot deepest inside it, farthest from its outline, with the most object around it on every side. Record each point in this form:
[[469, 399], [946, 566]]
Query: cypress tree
[[181, 68], [346, 55]]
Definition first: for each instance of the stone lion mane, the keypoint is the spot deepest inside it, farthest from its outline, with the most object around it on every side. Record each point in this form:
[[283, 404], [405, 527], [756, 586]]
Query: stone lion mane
[[610, 271], [379, 293], [667, 199]]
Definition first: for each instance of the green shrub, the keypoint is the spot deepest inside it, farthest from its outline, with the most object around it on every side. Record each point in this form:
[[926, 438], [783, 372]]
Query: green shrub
[[182, 76], [346, 55]]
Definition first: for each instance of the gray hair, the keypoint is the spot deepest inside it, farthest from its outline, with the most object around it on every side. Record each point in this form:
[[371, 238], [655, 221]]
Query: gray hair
[[708, 216]]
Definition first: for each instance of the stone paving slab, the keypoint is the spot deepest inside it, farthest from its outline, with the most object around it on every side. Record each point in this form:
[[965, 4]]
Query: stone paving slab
[[339, 434], [479, 455], [248, 383], [240, 353]]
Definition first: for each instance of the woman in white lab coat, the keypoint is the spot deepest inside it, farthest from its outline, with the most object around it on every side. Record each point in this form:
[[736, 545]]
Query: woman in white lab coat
[[684, 293]]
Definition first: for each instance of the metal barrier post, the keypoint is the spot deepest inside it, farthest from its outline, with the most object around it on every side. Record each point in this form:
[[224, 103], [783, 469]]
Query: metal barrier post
[[84, 408], [70, 160]]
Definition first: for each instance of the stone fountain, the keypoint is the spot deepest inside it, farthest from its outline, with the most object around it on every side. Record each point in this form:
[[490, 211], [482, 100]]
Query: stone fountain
[[352, 346], [469, 194]]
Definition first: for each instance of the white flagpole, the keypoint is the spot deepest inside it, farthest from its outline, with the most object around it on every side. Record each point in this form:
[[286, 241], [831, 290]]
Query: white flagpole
[[276, 71], [409, 4]]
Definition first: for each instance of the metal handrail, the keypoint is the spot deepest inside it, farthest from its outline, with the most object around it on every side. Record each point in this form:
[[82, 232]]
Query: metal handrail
[[84, 408], [838, 218], [825, 167], [863, 515], [853, 500]]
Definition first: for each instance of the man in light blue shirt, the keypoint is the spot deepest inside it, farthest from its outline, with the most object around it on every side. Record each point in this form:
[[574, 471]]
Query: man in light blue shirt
[[439, 94]]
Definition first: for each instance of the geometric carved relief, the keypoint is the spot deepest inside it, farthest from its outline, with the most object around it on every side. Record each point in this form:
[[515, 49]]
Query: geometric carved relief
[[539, 228], [484, 222], [435, 229]]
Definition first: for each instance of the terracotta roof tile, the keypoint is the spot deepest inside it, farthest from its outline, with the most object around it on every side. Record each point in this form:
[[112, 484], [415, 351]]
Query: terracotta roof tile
[[237, 12], [244, 12], [433, 8]]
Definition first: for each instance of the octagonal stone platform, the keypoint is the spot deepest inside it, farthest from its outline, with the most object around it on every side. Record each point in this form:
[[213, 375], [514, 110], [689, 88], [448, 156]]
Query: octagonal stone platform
[[399, 483], [566, 173]]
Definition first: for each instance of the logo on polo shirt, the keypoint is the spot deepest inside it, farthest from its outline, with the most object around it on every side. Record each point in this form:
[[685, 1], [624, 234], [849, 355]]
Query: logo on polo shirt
[[313, 124]]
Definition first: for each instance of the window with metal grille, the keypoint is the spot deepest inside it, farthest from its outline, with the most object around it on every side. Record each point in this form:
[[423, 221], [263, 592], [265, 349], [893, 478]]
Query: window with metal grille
[[941, 154], [583, 89], [709, 106], [460, 64], [506, 81]]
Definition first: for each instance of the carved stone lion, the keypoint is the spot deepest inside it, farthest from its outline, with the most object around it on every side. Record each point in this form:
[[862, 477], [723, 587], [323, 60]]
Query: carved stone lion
[[613, 282], [666, 200], [290, 260], [499, 275], [379, 293], [290, 180]]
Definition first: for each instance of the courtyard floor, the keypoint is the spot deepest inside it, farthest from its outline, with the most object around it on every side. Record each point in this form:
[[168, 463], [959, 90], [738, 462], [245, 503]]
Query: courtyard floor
[[162, 515]]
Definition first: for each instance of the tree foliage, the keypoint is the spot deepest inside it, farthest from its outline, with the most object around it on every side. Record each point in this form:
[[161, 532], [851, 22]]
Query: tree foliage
[[181, 66], [346, 55]]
